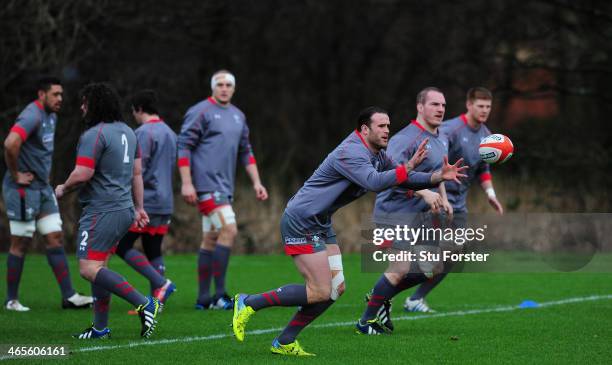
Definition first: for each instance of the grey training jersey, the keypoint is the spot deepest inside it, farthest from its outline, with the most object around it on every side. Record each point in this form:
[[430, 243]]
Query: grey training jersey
[[109, 149], [402, 147], [464, 142], [348, 172], [36, 128], [158, 150], [213, 137]]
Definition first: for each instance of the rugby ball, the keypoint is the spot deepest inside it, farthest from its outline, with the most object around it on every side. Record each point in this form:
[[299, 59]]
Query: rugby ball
[[495, 148]]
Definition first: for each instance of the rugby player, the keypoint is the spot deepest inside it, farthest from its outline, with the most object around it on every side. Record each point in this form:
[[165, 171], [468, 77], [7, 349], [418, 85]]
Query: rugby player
[[214, 136], [464, 134], [29, 199], [403, 206], [158, 154], [108, 167], [358, 165]]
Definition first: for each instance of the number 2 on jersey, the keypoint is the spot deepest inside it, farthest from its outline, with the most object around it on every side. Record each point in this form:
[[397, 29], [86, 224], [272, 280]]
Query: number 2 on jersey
[[124, 141]]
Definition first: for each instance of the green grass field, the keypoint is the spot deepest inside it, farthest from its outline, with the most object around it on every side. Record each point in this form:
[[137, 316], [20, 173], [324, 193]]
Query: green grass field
[[477, 321]]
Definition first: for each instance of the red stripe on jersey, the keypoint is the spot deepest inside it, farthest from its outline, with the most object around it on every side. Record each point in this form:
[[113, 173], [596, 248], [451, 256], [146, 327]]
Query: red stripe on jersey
[[39, 105], [298, 249], [485, 176], [85, 161], [183, 161], [362, 140], [415, 122], [463, 117], [154, 120], [20, 131], [401, 174], [21, 192], [212, 100], [252, 160]]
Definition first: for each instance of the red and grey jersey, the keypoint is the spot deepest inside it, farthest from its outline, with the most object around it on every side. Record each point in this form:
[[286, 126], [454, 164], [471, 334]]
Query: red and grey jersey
[[36, 128], [347, 173], [212, 139], [402, 147], [464, 142], [109, 149], [158, 148]]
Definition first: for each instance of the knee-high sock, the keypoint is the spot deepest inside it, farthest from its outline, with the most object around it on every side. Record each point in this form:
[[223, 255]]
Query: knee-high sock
[[428, 286], [304, 316], [151, 244], [204, 271], [220, 259], [56, 257], [384, 290], [117, 285], [286, 296], [139, 262], [101, 306], [14, 267]]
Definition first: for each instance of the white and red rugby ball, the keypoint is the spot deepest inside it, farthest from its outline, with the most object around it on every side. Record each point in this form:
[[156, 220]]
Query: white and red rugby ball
[[495, 148]]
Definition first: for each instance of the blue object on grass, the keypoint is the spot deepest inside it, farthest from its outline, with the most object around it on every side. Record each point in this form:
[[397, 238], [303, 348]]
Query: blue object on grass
[[529, 304]]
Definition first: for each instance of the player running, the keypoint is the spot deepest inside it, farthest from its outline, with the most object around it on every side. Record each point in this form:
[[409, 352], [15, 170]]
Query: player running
[[358, 165], [464, 134], [158, 154], [108, 166], [213, 137], [28, 197], [399, 206]]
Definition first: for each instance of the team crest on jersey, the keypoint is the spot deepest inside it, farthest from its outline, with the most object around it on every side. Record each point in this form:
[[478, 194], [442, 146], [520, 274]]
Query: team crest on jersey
[[236, 119], [217, 116], [465, 139]]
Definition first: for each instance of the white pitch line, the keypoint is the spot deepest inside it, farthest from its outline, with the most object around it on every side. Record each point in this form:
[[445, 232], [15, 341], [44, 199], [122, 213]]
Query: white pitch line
[[339, 324]]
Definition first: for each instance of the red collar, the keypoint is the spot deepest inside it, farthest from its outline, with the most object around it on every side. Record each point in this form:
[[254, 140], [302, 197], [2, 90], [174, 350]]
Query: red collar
[[363, 140], [212, 100], [463, 117], [39, 105], [153, 121], [415, 122]]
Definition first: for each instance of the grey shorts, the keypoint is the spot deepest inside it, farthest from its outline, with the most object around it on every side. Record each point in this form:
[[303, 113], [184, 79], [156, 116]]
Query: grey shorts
[[99, 233], [298, 242], [26, 204]]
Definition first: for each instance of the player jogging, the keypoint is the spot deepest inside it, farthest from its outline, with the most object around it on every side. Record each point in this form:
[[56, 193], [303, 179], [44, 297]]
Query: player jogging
[[108, 165], [214, 136], [29, 199], [358, 165], [158, 154]]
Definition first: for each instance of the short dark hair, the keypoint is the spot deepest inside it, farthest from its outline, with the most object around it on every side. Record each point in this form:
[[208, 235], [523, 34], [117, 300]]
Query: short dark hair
[[479, 93], [145, 101], [422, 95], [103, 103], [365, 116], [45, 83]]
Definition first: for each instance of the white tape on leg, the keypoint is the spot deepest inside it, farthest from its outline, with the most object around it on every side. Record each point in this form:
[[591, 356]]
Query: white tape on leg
[[223, 216], [335, 264], [22, 228], [206, 224], [49, 224]]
